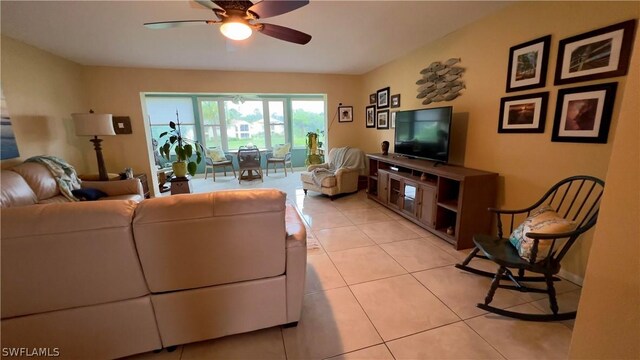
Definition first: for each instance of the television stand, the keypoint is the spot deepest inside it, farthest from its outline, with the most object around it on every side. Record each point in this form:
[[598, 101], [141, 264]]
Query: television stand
[[449, 201], [436, 163]]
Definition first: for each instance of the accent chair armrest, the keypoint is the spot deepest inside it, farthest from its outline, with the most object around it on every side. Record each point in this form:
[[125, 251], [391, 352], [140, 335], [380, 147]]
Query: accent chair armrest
[[316, 166]]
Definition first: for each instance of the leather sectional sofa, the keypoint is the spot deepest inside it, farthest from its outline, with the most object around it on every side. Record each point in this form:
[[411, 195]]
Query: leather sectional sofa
[[106, 279], [32, 183]]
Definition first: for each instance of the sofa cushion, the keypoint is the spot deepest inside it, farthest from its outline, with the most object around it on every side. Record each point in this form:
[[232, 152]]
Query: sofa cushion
[[328, 182], [280, 151], [197, 240], [39, 178], [88, 194], [216, 154], [15, 191], [58, 256]]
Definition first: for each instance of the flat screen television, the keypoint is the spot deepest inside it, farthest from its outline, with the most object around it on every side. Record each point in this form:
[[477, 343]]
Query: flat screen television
[[424, 133]]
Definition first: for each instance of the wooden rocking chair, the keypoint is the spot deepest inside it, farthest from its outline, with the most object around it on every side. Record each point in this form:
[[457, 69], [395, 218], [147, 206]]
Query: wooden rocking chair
[[576, 199]]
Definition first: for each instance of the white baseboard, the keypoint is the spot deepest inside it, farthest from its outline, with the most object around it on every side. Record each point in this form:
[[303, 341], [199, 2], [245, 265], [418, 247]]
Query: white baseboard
[[578, 280]]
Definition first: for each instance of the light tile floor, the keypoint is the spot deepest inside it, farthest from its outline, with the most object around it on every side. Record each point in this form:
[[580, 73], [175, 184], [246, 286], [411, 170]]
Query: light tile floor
[[380, 287]]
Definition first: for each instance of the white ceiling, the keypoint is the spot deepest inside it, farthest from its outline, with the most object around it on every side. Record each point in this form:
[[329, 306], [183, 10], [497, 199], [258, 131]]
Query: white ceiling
[[349, 37]]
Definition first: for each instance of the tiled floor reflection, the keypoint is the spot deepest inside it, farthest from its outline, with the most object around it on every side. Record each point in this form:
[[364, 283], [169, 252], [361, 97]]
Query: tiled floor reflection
[[380, 287]]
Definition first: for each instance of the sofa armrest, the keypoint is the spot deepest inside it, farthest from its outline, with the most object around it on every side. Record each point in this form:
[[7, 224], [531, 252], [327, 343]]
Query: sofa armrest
[[296, 268], [316, 166], [118, 187], [296, 231]]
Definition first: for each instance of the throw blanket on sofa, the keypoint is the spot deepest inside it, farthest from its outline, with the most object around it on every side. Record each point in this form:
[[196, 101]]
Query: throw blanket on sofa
[[345, 157], [65, 174]]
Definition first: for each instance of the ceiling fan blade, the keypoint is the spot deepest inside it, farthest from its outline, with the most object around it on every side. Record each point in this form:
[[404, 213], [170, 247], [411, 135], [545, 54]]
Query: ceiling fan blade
[[269, 8], [284, 33], [206, 3], [178, 23]]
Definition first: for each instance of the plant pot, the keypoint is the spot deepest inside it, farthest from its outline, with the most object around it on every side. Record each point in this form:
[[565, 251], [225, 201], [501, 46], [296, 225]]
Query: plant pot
[[179, 168]]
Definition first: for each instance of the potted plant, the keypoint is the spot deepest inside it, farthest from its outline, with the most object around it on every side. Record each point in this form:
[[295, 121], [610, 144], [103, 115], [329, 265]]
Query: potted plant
[[182, 148], [314, 145]]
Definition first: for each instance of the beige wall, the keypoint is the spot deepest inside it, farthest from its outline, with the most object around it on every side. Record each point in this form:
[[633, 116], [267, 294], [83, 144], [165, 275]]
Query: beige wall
[[117, 91], [42, 90], [528, 163], [608, 323]]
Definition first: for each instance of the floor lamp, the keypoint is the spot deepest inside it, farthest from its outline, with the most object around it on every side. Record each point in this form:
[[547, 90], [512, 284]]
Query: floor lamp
[[95, 125]]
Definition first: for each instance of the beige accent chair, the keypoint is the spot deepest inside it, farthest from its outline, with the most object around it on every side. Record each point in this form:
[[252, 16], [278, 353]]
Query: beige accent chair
[[103, 280], [32, 183], [344, 181]]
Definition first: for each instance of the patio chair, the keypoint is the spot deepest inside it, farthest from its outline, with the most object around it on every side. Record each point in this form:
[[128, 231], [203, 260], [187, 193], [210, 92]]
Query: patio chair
[[552, 226], [249, 162], [281, 154]]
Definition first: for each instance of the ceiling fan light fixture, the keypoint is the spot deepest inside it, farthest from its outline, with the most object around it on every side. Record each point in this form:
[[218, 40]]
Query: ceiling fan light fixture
[[236, 30]]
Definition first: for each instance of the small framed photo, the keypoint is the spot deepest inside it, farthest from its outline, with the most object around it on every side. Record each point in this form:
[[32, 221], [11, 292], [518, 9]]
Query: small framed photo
[[383, 119], [372, 99], [598, 54], [528, 64], [345, 113], [393, 119], [371, 116], [382, 97], [583, 114], [523, 113], [395, 101]]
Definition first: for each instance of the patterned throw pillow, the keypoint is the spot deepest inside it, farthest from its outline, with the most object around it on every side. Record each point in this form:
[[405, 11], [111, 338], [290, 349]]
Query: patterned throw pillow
[[217, 154], [279, 151], [544, 221]]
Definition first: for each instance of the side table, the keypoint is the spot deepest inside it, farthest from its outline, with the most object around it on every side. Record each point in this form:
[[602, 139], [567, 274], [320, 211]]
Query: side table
[[145, 184], [180, 185]]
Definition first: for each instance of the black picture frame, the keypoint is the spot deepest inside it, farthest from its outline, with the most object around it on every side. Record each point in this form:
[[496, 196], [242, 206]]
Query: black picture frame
[[370, 116], [372, 99], [521, 73], [382, 98], [345, 114], [395, 101], [583, 114], [523, 113], [121, 125], [382, 118], [614, 45]]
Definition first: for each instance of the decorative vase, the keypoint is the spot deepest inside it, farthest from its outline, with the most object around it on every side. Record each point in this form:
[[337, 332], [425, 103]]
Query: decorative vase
[[179, 168], [450, 230], [385, 148]]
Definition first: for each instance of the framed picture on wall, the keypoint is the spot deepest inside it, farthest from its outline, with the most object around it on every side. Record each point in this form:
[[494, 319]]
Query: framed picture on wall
[[523, 113], [395, 101], [345, 113], [383, 119], [372, 99], [382, 97], [528, 64], [583, 114], [370, 116], [597, 54]]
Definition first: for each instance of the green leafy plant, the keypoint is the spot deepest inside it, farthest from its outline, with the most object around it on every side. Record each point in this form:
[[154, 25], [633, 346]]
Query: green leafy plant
[[182, 147]]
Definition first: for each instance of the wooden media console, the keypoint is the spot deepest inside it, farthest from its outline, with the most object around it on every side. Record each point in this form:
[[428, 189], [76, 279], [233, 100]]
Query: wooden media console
[[449, 201]]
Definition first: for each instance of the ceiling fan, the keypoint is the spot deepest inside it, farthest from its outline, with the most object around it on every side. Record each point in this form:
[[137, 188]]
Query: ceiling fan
[[239, 19]]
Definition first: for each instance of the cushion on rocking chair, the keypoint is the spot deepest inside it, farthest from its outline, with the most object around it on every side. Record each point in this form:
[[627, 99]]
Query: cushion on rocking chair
[[543, 221]]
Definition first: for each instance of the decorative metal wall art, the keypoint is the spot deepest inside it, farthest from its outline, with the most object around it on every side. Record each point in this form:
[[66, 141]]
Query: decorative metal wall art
[[440, 81]]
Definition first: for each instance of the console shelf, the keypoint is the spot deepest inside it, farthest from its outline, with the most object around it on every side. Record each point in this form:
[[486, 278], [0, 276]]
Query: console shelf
[[449, 201]]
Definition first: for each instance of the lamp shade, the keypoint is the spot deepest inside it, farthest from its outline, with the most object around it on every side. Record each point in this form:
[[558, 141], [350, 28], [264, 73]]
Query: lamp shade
[[92, 124]]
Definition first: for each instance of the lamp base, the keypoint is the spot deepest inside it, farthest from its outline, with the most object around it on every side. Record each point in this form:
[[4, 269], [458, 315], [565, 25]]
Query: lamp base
[[102, 169]]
